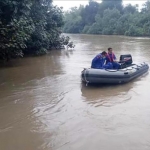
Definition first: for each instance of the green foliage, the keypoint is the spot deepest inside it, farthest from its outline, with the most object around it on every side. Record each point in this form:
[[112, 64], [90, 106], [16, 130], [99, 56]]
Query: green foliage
[[41, 51], [111, 4], [28, 27], [134, 31], [86, 28], [94, 29], [73, 21], [14, 29], [89, 12], [109, 17], [130, 9]]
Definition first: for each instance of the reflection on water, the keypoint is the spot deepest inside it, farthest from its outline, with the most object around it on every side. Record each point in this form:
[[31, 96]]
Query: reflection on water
[[44, 105], [106, 95]]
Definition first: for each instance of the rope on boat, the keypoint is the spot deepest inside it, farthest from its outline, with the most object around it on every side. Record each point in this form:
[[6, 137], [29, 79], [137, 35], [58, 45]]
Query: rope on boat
[[126, 69], [111, 70]]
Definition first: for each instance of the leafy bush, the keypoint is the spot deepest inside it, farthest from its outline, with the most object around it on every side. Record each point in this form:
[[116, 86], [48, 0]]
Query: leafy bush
[[28, 27]]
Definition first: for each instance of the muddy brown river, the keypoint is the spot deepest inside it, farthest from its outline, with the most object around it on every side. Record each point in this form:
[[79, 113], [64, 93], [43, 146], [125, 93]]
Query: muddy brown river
[[44, 105]]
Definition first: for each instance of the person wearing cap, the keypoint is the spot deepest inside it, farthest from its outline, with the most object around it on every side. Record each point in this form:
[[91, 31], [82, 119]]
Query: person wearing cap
[[99, 62]]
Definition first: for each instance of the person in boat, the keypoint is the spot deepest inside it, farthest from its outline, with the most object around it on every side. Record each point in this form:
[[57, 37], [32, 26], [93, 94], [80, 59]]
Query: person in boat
[[99, 62], [111, 58]]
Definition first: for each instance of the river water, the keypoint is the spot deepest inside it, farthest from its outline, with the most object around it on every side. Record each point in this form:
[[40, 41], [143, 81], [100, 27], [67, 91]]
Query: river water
[[44, 105]]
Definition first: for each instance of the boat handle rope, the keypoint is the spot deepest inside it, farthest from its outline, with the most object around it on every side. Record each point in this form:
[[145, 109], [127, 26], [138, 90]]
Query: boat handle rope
[[85, 77], [116, 70], [111, 70], [123, 70]]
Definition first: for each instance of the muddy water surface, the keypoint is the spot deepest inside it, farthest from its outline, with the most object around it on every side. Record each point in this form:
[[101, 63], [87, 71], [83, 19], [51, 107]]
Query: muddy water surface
[[44, 105]]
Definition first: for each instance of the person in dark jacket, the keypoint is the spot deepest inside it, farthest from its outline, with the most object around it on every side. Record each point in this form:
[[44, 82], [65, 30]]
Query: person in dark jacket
[[111, 58], [99, 62]]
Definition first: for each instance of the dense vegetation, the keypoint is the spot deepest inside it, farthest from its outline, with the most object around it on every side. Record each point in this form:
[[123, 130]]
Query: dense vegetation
[[34, 26], [109, 18], [29, 27]]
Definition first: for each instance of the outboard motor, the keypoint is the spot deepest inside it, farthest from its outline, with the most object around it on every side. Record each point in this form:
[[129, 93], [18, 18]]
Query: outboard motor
[[125, 60]]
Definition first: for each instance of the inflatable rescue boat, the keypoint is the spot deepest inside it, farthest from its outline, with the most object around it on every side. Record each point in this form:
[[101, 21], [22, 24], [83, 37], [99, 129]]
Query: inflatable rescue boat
[[126, 73]]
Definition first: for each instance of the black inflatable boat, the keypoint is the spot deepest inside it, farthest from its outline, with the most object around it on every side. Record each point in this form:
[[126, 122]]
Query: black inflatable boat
[[126, 73]]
